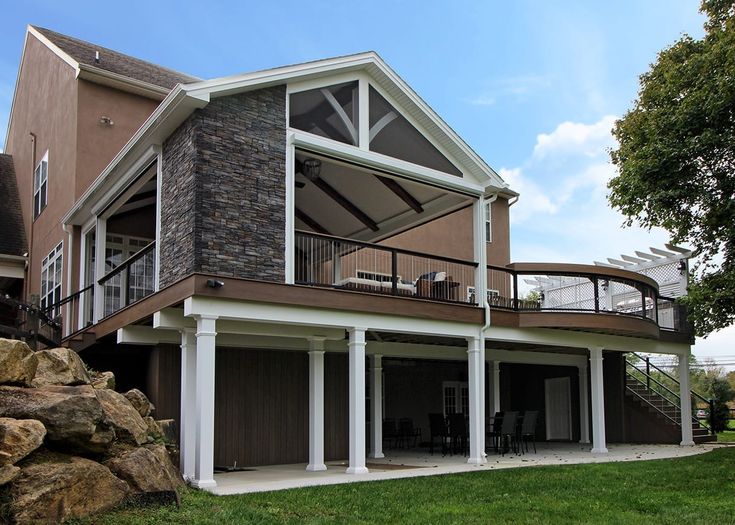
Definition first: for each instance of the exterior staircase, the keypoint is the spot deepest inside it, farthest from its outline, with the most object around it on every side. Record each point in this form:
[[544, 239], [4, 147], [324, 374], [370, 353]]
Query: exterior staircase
[[657, 391]]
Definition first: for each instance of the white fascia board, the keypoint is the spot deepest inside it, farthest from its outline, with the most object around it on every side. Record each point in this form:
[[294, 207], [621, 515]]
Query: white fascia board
[[319, 317], [174, 109], [535, 358], [12, 269], [145, 335], [554, 337], [328, 147]]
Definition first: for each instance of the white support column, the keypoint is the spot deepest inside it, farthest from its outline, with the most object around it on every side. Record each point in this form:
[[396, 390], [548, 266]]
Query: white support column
[[316, 405], [495, 366], [357, 401], [100, 246], [598, 402], [206, 336], [685, 394], [584, 406], [477, 425], [376, 406], [187, 431]]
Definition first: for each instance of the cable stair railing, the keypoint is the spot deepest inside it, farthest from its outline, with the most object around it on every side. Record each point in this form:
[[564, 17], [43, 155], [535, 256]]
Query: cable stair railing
[[658, 390]]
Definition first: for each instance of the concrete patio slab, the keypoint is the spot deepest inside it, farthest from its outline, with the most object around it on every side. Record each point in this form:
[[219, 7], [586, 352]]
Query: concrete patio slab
[[415, 463]]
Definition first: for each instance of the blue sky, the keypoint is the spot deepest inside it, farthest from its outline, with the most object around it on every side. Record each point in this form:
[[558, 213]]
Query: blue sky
[[532, 86]]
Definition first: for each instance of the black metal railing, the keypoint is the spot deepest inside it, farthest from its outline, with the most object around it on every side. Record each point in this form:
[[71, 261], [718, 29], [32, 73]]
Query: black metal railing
[[666, 390], [335, 262], [28, 322], [129, 282], [74, 311], [558, 291]]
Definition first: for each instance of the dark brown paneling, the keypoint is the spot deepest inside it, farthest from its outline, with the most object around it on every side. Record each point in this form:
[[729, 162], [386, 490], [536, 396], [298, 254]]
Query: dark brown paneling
[[165, 394], [614, 380], [261, 407]]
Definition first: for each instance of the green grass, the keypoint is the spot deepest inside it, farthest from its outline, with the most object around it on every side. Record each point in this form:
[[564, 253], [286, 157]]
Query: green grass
[[728, 436], [696, 489]]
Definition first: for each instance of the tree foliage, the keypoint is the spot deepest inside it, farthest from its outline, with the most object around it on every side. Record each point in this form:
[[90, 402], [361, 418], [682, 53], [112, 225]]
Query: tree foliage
[[676, 160]]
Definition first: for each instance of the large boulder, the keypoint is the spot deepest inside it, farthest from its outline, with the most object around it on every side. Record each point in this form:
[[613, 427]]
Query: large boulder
[[52, 488], [8, 473], [73, 416], [104, 380], [60, 366], [18, 438], [128, 424], [18, 363], [140, 402], [147, 469]]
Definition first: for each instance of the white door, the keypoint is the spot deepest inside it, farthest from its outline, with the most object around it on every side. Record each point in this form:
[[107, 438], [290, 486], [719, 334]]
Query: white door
[[456, 397], [558, 409]]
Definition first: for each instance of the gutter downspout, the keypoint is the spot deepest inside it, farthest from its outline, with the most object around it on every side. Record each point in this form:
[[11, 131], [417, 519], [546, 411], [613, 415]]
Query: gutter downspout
[[29, 270], [486, 305]]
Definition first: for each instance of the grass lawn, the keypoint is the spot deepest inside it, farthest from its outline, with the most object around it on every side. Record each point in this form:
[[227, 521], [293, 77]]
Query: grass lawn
[[697, 489], [728, 436]]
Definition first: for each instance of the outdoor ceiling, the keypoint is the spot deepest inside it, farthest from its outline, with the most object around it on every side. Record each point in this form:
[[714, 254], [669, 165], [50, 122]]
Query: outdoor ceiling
[[364, 190]]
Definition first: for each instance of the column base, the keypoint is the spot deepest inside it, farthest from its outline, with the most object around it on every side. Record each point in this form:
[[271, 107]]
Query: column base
[[686, 444], [376, 455], [319, 467], [357, 470], [602, 450], [476, 461], [203, 483]]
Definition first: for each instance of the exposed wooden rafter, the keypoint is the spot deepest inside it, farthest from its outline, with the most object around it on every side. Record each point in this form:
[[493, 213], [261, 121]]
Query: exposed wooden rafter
[[311, 223], [401, 193]]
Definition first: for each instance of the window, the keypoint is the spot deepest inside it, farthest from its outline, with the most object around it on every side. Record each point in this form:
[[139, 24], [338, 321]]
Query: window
[[51, 279], [40, 186], [456, 397], [488, 223], [118, 249]]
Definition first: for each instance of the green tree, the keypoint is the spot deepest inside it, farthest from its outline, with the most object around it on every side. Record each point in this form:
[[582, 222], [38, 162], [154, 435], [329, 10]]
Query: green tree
[[676, 160]]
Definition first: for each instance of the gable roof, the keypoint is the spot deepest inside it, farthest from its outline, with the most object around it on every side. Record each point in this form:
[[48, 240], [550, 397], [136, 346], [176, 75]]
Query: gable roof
[[13, 238], [85, 53]]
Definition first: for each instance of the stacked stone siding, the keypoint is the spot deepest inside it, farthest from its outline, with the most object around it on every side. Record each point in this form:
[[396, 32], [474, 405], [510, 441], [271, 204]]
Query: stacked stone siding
[[232, 157]]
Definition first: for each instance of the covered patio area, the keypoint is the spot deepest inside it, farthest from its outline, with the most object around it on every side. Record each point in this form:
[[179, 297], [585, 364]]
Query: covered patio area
[[415, 463]]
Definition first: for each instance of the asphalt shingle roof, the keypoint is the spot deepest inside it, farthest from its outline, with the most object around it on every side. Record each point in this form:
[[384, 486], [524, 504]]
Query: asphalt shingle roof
[[84, 53], [12, 231]]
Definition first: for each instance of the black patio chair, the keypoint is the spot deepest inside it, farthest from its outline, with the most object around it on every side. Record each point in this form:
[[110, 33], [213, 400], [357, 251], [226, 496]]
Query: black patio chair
[[390, 432], [528, 429], [408, 433], [458, 433], [495, 426], [508, 432], [438, 429]]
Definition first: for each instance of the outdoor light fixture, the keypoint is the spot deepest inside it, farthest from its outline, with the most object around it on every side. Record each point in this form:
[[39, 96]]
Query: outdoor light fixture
[[214, 283], [106, 121], [682, 267], [312, 168], [605, 285]]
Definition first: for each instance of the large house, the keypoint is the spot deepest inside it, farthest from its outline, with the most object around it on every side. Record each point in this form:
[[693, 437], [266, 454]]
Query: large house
[[286, 259]]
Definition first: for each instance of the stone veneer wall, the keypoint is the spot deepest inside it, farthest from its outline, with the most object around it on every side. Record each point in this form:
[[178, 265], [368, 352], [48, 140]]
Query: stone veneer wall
[[224, 190]]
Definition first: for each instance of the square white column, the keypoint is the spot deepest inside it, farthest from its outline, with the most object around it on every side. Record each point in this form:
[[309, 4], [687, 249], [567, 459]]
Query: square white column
[[599, 446], [187, 431], [357, 401], [685, 395], [376, 406], [316, 405], [584, 406], [495, 387], [475, 371], [206, 336], [100, 246]]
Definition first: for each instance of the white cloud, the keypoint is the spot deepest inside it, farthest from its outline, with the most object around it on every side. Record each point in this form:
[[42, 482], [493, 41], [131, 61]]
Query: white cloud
[[573, 138], [534, 199], [516, 87]]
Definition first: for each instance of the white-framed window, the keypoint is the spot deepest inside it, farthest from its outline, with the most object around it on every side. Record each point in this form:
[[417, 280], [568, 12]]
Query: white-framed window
[[456, 397], [118, 249], [51, 272], [40, 186], [490, 294], [488, 223]]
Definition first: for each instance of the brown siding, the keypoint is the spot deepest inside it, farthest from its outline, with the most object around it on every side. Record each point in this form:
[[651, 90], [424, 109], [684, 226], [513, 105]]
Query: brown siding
[[45, 104], [98, 143]]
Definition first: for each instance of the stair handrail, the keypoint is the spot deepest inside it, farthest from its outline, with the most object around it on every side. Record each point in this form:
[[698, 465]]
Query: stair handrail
[[705, 422], [652, 406]]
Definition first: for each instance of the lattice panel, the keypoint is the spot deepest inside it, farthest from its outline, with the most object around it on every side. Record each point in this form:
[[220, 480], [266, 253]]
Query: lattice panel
[[666, 273], [574, 293]]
